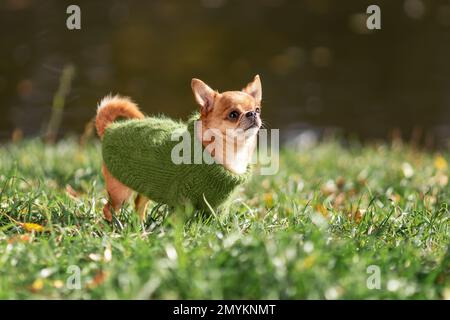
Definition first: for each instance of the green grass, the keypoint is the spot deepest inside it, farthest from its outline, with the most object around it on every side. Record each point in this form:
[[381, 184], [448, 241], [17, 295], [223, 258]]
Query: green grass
[[311, 231]]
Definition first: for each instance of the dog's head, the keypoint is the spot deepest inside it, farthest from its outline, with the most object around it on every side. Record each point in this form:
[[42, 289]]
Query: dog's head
[[230, 110]]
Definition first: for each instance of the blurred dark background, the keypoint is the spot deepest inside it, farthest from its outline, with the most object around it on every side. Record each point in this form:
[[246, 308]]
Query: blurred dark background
[[321, 67]]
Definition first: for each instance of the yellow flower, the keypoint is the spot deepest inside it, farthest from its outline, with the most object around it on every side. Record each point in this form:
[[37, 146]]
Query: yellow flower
[[32, 227], [268, 199], [322, 210], [309, 262], [37, 285], [58, 284], [440, 163]]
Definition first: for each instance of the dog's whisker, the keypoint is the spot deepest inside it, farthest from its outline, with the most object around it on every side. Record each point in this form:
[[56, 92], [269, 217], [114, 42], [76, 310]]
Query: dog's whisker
[[265, 125]]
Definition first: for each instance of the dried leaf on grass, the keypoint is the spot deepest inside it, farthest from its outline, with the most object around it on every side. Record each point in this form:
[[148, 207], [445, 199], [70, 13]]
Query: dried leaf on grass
[[72, 192], [98, 279]]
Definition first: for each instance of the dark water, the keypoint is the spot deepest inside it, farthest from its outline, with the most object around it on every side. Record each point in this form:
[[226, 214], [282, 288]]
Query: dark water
[[320, 66]]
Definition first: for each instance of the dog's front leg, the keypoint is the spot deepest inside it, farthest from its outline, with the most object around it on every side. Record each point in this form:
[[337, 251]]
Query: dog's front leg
[[141, 205]]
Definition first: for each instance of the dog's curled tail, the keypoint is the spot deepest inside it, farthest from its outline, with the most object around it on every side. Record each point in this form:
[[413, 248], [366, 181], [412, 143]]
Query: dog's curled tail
[[112, 107]]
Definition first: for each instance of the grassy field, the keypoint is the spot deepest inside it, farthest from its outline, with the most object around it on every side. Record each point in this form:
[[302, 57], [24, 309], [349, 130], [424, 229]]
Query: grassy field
[[332, 221]]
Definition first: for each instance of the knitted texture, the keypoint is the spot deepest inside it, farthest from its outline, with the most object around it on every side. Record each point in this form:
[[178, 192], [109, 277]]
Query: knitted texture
[[138, 154]]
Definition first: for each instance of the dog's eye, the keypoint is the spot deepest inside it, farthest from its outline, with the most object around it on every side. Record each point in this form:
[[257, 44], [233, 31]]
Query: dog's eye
[[258, 110], [233, 115]]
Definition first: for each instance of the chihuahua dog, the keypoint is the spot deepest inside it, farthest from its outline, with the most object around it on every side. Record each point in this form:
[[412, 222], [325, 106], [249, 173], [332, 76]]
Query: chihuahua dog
[[230, 111]]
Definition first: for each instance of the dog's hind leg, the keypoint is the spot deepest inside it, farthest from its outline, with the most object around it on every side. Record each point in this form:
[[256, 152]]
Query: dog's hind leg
[[141, 204], [118, 194]]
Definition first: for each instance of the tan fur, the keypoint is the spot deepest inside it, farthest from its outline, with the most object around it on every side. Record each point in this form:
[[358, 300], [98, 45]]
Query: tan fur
[[117, 192], [215, 108], [214, 116], [111, 108], [141, 204]]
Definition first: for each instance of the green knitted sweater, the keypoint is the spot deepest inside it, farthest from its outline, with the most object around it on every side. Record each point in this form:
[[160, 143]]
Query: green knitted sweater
[[138, 154]]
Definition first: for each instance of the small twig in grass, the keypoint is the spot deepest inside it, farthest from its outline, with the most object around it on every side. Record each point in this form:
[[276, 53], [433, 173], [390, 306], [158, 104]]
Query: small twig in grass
[[58, 103], [89, 130], [28, 226]]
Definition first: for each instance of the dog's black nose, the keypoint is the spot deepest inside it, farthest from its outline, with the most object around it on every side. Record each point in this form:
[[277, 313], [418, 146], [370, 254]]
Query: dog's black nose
[[250, 114]]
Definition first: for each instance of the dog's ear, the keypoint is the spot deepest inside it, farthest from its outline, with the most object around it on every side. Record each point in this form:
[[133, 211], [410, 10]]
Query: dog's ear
[[254, 89], [204, 95]]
